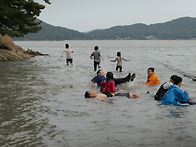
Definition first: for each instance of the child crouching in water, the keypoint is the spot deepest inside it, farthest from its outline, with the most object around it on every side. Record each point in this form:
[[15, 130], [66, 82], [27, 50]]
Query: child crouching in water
[[152, 79]]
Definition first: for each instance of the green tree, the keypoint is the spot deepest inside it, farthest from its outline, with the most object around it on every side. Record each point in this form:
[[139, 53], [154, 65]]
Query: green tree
[[17, 17]]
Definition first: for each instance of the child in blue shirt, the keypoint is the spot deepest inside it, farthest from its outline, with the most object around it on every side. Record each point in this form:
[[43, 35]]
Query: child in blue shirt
[[174, 95]]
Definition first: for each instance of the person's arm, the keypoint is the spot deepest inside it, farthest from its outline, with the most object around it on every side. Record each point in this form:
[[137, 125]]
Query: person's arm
[[62, 53], [113, 87], [125, 59], [182, 96], [152, 81], [114, 60], [142, 82], [91, 56], [133, 95], [90, 83], [101, 95], [94, 80], [121, 90], [101, 56]]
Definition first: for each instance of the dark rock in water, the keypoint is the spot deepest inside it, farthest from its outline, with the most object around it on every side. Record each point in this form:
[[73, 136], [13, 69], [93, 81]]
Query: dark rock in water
[[11, 52], [190, 76], [34, 53]]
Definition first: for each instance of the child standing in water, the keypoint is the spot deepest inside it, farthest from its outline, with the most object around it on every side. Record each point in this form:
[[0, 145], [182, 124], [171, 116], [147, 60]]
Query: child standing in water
[[97, 60], [68, 53], [119, 61]]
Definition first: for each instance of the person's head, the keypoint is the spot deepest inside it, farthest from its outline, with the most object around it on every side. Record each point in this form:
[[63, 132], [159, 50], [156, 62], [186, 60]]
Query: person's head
[[150, 70], [67, 45], [100, 73], [119, 54], [178, 81], [109, 76], [172, 78], [96, 48], [90, 94]]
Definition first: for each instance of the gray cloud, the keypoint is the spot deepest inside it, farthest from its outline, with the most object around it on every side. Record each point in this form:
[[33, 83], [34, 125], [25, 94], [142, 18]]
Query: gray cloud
[[86, 15]]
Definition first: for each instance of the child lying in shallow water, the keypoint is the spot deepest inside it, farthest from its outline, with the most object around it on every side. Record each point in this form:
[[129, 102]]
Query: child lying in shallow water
[[92, 94]]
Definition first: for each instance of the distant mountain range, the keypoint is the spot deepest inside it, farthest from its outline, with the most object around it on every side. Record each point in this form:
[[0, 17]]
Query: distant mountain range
[[181, 28]]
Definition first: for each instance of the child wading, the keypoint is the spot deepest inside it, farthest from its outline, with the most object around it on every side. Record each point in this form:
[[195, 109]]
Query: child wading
[[68, 53], [119, 61], [96, 54]]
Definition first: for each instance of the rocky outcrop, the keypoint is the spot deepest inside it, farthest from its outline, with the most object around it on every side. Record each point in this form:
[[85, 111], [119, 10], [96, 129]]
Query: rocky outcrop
[[11, 52], [32, 53]]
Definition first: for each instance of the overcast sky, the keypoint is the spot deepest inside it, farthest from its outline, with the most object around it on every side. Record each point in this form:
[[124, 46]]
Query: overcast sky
[[87, 15]]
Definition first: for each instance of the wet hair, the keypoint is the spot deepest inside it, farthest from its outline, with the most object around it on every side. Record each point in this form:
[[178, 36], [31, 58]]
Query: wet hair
[[98, 71], [118, 53], [177, 80], [96, 48], [151, 68], [109, 76], [173, 77], [87, 95], [67, 45]]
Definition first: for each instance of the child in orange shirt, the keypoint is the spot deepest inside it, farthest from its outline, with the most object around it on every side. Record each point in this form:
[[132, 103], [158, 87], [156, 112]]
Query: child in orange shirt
[[152, 78]]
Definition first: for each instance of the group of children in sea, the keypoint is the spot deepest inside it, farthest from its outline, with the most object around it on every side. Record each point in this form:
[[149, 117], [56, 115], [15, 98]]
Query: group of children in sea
[[168, 93]]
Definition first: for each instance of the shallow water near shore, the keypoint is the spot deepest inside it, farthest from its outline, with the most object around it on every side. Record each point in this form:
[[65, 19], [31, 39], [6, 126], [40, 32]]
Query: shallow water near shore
[[42, 101]]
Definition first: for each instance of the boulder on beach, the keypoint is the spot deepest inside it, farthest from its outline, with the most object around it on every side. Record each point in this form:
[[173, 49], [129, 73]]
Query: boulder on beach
[[11, 52]]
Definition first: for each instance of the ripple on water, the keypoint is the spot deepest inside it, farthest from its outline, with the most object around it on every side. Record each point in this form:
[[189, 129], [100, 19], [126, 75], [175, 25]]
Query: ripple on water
[[42, 101]]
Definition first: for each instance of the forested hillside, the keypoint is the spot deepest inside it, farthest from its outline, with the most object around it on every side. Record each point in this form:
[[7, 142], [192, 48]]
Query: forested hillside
[[181, 28], [49, 32]]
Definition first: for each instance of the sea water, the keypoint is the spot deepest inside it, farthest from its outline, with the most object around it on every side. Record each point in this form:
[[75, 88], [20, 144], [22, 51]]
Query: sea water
[[42, 100]]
